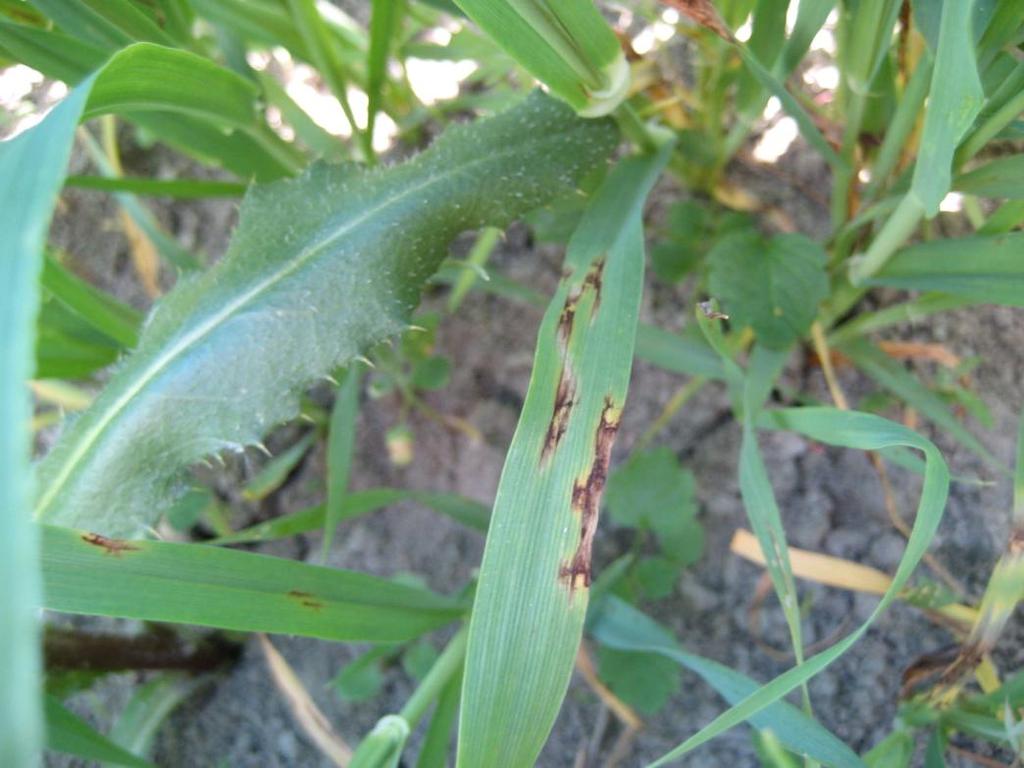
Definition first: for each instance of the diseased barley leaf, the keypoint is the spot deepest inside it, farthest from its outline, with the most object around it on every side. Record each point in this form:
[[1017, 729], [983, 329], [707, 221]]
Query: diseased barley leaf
[[319, 269], [535, 578]]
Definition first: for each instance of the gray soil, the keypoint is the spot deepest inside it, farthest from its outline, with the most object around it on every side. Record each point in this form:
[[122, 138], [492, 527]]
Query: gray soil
[[831, 502]]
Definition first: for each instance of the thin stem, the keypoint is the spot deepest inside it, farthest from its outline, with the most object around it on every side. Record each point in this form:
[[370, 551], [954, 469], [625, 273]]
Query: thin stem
[[894, 233], [447, 664], [677, 401]]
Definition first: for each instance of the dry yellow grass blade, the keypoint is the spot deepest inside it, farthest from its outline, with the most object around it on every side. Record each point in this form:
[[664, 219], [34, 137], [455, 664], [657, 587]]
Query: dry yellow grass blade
[[305, 711]]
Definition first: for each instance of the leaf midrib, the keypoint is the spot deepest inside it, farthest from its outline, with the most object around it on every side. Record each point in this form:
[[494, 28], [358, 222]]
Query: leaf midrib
[[204, 329]]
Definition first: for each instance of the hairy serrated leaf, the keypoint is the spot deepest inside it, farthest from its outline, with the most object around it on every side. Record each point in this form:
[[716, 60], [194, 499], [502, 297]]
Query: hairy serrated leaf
[[320, 268]]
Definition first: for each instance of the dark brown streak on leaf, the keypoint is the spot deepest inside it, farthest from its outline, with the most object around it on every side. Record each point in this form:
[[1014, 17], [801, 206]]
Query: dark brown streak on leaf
[[305, 599], [110, 546], [565, 398], [586, 499], [565, 392], [593, 281]]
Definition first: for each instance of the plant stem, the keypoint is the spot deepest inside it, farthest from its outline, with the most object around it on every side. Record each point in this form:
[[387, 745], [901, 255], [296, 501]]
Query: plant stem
[[893, 234], [447, 664]]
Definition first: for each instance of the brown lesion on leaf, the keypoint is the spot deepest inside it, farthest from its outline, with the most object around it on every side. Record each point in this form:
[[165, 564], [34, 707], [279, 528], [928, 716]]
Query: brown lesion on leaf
[[305, 599], [113, 547], [586, 499], [565, 398], [592, 281]]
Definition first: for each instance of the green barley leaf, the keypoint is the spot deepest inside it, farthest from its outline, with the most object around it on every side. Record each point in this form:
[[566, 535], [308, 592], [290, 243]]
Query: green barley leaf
[[33, 167], [989, 270], [215, 587], [617, 624], [531, 598], [319, 269], [955, 100], [864, 432], [68, 733]]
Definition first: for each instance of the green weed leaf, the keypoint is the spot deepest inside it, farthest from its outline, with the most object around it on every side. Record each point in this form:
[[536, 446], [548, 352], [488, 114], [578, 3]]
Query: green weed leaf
[[652, 491], [319, 269], [645, 681], [773, 284]]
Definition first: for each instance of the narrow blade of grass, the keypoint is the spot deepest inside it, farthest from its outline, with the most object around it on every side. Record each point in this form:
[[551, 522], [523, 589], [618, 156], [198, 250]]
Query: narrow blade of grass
[[385, 23], [867, 433], [468, 512], [210, 586], [534, 581], [341, 441], [276, 471], [181, 189], [33, 166], [892, 376], [68, 733], [149, 707], [616, 624]]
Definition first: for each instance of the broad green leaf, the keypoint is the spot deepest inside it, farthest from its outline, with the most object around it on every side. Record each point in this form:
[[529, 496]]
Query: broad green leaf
[[567, 45], [341, 440], [68, 733], [531, 597], [215, 587], [645, 681], [318, 271], [954, 101], [1003, 177], [867, 433], [773, 284], [651, 491], [33, 165], [988, 270], [616, 624], [146, 77]]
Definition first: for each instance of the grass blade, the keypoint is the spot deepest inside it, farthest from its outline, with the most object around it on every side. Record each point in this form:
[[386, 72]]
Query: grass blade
[[214, 587], [534, 581], [181, 189], [892, 376], [66, 732], [99, 310], [34, 165], [318, 271], [864, 432], [470, 513], [149, 707], [987, 270], [616, 624], [385, 23], [341, 441]]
